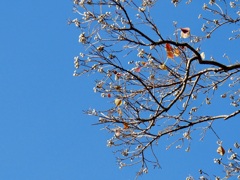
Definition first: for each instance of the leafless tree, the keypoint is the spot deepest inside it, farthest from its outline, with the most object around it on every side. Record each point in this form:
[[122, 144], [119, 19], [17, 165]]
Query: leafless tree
[[157, 86]]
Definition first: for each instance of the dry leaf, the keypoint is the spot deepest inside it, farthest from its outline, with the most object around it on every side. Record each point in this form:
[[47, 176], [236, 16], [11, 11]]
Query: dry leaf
[[118, 102], [143, 63], [170, 52], [220, 150], [118, 88], [185, 32], [182, 48], [125, 125], [137, 69], [168, 47], [177, 52], [163, 67]]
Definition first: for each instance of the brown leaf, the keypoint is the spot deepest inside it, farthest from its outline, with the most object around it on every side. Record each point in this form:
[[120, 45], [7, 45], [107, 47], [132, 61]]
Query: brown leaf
[[220, 150], [170, 54], [125, 125], [170, 51], [169, 47], [118, 88]]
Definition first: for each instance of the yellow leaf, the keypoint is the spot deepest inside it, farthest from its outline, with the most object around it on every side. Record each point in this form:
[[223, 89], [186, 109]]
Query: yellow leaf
[[177, 52], [220, 150], [143, 63], [163, 67], [118, 102]]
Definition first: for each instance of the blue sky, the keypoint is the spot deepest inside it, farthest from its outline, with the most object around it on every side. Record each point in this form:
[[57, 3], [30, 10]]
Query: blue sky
[[44, 134]]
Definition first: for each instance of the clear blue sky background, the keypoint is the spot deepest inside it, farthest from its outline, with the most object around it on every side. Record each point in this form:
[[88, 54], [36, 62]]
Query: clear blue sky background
[[43, 133]]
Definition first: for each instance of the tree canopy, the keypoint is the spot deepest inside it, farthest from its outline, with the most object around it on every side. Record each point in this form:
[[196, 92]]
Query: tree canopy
[[159, 74]]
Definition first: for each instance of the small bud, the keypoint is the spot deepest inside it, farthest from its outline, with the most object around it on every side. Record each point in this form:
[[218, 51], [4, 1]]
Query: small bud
[[224, 95]]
